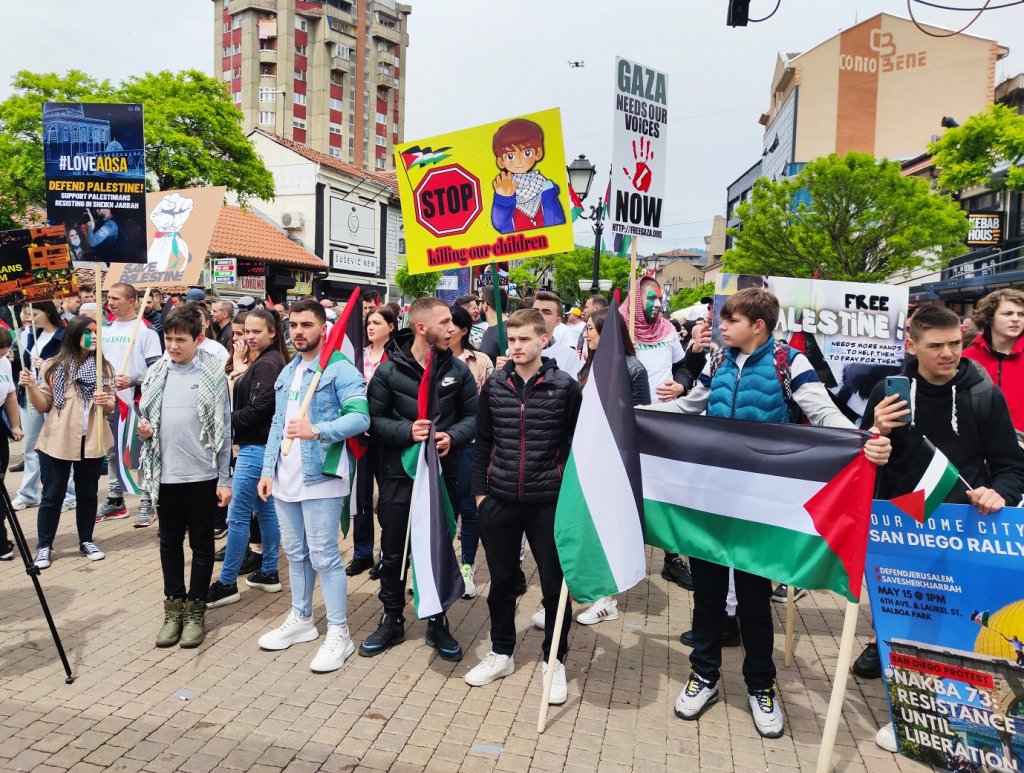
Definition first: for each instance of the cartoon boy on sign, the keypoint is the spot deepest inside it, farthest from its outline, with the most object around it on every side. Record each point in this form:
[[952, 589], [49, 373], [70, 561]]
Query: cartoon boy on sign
[[523, 199]]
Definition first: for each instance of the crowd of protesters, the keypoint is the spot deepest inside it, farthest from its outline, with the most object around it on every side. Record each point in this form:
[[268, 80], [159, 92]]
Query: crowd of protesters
[[207, 379]]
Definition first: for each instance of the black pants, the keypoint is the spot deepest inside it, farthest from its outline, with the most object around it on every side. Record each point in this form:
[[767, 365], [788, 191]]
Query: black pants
[[367, 471], [55, 474], [393, 515], [5, 459], [187, 508], [753, 596], [502, 525]]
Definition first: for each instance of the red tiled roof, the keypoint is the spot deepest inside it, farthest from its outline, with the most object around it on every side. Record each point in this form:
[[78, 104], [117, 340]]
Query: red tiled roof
[[388, 180], [241, 234]]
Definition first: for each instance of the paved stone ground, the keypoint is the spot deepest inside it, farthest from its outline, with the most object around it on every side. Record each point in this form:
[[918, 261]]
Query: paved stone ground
[[404, 711]]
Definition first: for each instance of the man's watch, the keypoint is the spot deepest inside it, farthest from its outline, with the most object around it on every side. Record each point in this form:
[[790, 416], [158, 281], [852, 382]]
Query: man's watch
[[316, 432]]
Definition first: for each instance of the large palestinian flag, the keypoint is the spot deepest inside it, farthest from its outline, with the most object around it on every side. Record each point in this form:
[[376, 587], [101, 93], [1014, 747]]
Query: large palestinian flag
[[787, 502], [598, 517], [128, 446], [436, 579]]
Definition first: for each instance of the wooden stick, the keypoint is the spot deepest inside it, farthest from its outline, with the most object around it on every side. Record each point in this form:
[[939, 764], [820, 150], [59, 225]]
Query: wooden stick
[[286, 446], [135, 333], [100, 418], [556, 636], [790, 614], [835, 703], [632, 288], [405, 548]]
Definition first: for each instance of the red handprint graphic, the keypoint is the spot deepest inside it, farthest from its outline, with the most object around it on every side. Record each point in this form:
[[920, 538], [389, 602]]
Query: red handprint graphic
[[641, 178]]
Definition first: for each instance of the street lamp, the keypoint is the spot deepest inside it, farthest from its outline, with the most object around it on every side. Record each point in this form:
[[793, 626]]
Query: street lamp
[[581, 175]]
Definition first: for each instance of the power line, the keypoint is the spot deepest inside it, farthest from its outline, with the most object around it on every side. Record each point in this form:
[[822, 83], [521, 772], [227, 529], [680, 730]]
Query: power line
[[774, 11], [910, 11]]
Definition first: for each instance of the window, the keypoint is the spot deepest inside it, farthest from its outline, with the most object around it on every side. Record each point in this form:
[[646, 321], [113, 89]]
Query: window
[[238, 48], [300, 50], [238, 72], [334, 128], [394, 127], [298, 123], [227, 51], [237, 97], [236, 22], [334, 152], [381, 118], [300, 75], [300, 24], [337, 104], [381, 163], [268, 94], [227, 26], [299, 99], [267, 117], [226, 76], [337, 78], [382, 142]]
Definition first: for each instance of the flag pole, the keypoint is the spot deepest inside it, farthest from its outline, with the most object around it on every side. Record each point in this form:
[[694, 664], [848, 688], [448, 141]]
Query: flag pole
[[135, 332], [563, 598], [100, 418], [835, 703], [286, 446], [632, 288], [790, 614]]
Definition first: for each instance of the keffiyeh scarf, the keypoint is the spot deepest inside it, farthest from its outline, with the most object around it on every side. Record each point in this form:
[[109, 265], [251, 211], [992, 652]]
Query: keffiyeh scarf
[[529, 187], [645, 332], [83, 376]]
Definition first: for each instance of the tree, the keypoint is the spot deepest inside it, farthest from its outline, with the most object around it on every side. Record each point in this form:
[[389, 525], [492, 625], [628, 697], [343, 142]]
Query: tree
[[688, 296], [851, 218], [968, 155], [417, 285], [570, 267], [192, 134]]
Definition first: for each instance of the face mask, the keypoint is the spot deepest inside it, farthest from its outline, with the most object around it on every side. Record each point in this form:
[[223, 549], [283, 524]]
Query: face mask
[[74, 241]]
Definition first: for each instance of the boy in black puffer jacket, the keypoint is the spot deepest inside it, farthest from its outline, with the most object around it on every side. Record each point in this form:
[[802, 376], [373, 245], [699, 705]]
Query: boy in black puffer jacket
[[526, 417]]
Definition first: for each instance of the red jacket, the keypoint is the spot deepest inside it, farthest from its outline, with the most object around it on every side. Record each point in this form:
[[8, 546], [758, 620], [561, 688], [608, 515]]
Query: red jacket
[[1006, 370]]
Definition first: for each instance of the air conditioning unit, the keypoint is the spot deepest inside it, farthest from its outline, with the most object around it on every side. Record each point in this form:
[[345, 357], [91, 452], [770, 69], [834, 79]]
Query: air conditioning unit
[[292, 220]]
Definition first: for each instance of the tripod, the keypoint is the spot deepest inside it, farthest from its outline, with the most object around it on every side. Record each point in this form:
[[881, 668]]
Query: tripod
[[32, 571]]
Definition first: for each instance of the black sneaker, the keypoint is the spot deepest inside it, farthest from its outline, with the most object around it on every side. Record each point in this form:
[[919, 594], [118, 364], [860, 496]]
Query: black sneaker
[[675, 570], [390, 632], [7, 551], [219, 555], [520, 588], [868, 664], [219, 531], [358, 566], [268, 581], [19, 467], [730, 633], [221, 595], [440, 638], [251, 562], [779, 594], [375, 571]]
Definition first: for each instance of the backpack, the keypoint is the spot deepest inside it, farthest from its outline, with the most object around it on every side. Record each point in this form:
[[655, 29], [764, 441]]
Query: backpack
[[782, 371]]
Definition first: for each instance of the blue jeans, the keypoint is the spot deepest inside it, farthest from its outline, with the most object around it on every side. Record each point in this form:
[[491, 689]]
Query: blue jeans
[[245, 501], [309, 536], [467, 506], [32, 424]]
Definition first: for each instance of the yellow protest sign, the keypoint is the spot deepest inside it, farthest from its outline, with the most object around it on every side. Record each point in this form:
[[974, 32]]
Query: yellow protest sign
[[493, 192]]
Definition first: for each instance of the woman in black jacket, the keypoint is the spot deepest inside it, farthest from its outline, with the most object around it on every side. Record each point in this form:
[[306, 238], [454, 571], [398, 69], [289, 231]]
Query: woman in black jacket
[[251, 414]]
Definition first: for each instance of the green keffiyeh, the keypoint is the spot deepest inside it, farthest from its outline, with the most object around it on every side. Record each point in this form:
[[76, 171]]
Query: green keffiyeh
[[210, 404]]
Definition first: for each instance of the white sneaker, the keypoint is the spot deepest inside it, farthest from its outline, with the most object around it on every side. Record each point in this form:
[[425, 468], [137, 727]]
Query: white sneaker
[[600, 610], [68, 505], [492, 667], [764, 705], [335, 650], [294, 630], [538, 618], [42, 558], [696, 698], [885, 738], [20, 504], [90, 551], [559, 694], [467, 577]]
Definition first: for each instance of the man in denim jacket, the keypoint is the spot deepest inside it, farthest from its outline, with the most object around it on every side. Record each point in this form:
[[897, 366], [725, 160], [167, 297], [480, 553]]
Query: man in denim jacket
[[308, 501]]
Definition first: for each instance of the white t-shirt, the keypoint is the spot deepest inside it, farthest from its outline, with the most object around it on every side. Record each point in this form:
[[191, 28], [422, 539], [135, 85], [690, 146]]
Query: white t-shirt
[[658, 359], [6, 379], [288, 485], [116, 337], [569, 334], [565, 358], [214, 348]]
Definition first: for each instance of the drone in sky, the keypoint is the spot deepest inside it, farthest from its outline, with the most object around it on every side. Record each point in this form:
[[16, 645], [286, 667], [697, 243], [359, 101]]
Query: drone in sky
[[574, 65]]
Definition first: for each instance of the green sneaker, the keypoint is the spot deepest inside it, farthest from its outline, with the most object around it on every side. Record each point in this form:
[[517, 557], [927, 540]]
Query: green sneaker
[[193, 630], [171, 631]]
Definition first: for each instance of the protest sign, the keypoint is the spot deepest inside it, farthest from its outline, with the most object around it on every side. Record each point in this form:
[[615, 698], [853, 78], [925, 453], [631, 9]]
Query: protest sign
[[948, 611], [180, 227], [852, 333], [493, 192], [639, 145], [95, 168], [35, 265]]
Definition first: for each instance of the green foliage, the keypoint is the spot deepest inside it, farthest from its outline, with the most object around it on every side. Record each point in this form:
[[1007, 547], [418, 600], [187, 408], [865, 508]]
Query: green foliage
[[688, 296], [417, 285], [967, 155], [852, 217], [567, 268], [524, 280], [192, 134]]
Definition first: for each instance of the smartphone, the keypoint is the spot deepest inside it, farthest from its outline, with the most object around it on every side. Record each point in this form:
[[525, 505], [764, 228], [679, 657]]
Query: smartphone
[[899, 385]]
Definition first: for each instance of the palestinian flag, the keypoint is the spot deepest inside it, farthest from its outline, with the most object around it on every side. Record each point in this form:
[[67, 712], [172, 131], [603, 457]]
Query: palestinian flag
[[129, 447], [620, 242], [576, 206], [783, 501], [598, 519], [981, 618], [926, 483], [436, 578], [417, 156]]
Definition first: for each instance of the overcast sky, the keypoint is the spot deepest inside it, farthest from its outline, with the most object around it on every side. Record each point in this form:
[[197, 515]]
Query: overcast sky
[[472, 62]]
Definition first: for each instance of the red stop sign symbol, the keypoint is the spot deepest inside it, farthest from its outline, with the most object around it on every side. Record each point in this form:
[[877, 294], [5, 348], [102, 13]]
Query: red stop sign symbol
[[447, 200]]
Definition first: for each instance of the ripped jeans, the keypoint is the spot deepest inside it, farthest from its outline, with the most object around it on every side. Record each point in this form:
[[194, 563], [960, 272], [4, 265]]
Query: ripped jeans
[[309, 537]]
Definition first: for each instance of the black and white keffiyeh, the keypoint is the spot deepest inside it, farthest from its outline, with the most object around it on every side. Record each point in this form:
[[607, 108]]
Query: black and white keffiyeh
[[529, 187], [83, 376]]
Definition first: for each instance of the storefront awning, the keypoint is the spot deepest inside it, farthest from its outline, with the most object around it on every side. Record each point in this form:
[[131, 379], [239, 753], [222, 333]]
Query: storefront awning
[[969, 288]]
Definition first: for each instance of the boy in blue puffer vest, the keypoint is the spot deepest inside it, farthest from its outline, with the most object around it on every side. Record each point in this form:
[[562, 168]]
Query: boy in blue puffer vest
[[746, 385]]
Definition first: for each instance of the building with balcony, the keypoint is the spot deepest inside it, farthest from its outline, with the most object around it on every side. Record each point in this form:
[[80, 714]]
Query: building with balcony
[[327, 74]]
